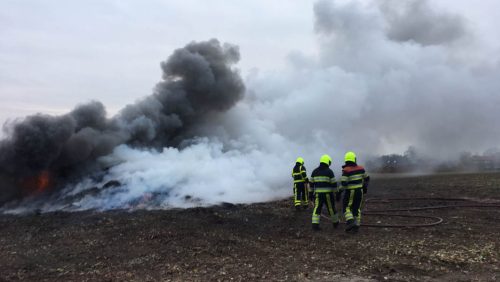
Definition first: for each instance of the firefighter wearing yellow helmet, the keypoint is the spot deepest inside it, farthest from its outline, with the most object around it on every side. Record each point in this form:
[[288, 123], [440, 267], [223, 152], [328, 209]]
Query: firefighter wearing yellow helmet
[[300, 182], [324, 187], [354, 183]]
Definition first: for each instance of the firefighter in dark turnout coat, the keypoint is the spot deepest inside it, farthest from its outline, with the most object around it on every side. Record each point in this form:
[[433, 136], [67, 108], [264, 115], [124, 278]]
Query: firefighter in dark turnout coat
[[324, 187], [354, 184], [300, 183]]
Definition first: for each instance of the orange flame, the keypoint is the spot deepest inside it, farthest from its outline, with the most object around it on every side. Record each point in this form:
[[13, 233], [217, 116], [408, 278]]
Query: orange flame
[[43, 181], [37, 184]]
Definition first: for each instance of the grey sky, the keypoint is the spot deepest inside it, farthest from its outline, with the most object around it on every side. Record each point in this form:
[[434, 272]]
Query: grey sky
[[56, 54]]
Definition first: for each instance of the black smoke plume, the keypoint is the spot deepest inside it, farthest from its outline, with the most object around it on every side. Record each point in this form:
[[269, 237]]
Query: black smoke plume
[[199, 82]]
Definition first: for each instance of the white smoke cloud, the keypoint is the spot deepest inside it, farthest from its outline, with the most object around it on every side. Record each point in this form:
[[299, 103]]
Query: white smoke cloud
[[373, 94], [385, 78], [201, 174], [418, 22]]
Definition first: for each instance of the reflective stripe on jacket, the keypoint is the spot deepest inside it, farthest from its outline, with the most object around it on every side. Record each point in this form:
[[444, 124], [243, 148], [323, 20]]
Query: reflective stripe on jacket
[[353, 177], [323, 180], [299, 173]]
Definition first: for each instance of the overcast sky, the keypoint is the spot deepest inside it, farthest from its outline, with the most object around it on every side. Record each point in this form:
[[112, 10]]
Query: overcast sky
[[55, 54]]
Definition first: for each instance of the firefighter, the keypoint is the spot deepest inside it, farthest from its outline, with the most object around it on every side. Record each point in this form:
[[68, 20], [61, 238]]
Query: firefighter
[[324, 187], [354, 184], [300, 183]]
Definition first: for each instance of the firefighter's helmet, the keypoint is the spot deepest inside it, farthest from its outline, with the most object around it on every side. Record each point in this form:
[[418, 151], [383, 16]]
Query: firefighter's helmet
[[300, 160], [326, 160], [350, 157]]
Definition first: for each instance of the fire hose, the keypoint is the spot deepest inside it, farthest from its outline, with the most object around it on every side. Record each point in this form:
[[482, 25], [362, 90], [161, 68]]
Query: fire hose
[[469, 203]]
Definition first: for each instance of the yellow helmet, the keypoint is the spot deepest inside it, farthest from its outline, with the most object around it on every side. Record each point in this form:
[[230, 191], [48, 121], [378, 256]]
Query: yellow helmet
[[300, 160], [326, 160], [350, 157]]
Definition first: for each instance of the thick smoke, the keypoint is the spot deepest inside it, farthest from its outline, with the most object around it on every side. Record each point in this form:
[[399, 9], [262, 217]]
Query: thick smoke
[[198, 82], [386, 76], [374, 94], [418, 22], [410, 93]]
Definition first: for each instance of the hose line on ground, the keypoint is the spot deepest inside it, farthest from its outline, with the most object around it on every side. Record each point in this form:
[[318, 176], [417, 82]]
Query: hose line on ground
[[476, 203]]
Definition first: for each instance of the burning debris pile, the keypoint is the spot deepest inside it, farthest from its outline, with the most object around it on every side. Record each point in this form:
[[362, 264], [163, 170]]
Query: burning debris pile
[[44, 153]]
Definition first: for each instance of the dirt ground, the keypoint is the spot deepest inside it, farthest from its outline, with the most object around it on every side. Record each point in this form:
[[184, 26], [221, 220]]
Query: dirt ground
[[268, 241]]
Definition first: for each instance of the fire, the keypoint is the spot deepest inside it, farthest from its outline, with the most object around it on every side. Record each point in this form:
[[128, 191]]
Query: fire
[[38, 183], [42, 181]]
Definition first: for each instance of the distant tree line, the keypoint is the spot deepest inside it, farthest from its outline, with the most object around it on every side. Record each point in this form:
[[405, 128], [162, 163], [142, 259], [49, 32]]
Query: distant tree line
[[410, 161]]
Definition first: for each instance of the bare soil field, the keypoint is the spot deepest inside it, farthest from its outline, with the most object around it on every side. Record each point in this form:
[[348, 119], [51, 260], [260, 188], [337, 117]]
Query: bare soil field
[[267, 241]]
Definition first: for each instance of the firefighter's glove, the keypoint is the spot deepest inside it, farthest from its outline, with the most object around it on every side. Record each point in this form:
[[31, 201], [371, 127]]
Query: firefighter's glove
[[365, 190]]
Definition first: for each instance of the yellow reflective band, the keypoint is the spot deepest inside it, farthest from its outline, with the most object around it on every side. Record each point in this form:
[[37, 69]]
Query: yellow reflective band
[[315, 216], [356, 177], [315, 219], [351, 199], [324, 190], [330, 207], [321, 179], [348, 212], [354, 186], [343, 181]]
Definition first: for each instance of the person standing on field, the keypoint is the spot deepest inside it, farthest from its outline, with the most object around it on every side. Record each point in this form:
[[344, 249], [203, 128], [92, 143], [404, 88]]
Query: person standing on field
[[324, 187], [354, 184], [300, 183]]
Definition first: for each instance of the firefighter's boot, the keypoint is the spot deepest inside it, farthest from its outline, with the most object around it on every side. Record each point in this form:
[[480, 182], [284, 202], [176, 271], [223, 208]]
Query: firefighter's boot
[[335, 225], [335, 220], [355, 229], [350, 225]]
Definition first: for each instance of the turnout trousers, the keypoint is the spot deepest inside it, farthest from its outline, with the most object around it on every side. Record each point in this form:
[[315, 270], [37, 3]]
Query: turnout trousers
[[328, 199], [352, 205], [300, 194]]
